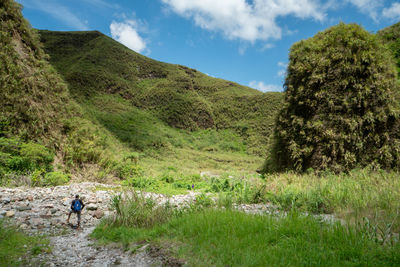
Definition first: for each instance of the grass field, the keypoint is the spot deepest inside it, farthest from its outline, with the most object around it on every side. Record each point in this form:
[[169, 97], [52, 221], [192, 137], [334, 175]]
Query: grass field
[[17, 248]]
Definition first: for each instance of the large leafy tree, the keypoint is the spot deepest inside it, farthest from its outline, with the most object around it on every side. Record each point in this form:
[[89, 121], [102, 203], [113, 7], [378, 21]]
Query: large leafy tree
[[339, 110]]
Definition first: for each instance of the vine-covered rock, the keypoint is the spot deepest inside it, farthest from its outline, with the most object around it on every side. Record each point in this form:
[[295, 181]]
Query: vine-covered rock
[[339, 110]]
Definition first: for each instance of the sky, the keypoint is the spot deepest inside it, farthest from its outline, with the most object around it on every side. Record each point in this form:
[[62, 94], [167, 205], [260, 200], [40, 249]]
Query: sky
[[245, 41]]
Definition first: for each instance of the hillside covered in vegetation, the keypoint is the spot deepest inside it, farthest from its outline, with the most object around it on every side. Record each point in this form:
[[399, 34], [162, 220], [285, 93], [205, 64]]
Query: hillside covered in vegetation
[[39, 121], [99, 70]]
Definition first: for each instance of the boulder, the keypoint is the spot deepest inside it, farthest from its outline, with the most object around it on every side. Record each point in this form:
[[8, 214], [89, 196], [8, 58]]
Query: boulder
[[23, 208], [91, 206], [10, 213], [98, 214]]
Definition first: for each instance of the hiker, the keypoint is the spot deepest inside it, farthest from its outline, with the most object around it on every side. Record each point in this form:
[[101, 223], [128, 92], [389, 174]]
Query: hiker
[[76, 207]]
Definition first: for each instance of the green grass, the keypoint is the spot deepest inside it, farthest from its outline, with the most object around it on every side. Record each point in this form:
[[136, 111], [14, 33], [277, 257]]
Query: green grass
[[229, 238], [212, 150], [17, 248], [205, 236]]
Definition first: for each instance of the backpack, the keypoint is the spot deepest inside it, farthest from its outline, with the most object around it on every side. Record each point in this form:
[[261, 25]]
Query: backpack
[[77, 205]]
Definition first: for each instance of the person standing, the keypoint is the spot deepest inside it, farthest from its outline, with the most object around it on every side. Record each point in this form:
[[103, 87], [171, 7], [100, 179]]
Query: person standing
[[76, 207]]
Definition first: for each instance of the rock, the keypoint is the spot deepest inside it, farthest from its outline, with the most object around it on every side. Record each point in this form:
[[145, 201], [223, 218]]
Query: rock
[[23, 208], [49, 206], [3, 212], [91, 207], [10, 213], [92, 201], [30, 198], [45, 216], [53, 211], [23, 226], [66, 202], [6, 200], [36, 221], [98, 214]]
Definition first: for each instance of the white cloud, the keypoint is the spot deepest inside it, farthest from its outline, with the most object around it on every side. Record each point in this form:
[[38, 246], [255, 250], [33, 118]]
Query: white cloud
[[281, 73], [102, 4], [282, 64], [261, 86], [58, 12], [282, 70], [127, 34], [369, 7], [392, 12], [267, 46], [244, 20]]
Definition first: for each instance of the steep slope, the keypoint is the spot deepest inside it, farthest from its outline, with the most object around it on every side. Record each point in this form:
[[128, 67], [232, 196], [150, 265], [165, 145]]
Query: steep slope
[[41, 127], [95, 66], [34, 98], [391, 36]]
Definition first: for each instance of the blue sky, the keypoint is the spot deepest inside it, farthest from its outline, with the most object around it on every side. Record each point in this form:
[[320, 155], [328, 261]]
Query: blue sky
[[246, 41]]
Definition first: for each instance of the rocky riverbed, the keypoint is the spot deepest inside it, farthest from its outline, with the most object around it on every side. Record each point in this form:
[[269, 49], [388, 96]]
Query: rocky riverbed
[[45, 211]]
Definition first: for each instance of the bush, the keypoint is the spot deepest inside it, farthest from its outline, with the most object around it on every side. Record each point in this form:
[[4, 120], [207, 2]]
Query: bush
[[128, 170], [21, 157], [139, 182], [36, 155], [55, 178], [339, 110]]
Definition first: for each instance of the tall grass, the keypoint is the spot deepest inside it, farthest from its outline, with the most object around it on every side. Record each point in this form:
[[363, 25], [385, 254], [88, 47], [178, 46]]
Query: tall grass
[[132, 209], [212, 237]]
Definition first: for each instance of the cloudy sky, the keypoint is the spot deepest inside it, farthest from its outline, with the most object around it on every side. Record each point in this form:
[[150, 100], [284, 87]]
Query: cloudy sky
[[246, 41]]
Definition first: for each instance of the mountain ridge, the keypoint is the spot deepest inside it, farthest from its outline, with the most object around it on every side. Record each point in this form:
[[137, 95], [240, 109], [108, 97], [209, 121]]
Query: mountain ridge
[[93, 64]]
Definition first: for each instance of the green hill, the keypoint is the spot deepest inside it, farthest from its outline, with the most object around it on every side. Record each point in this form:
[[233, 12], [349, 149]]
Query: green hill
[[42, 129], [105, 76]]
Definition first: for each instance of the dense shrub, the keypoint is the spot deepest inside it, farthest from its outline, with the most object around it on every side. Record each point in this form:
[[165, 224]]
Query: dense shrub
[[55, 178], [21, 157], [36, 155], [339, 109]]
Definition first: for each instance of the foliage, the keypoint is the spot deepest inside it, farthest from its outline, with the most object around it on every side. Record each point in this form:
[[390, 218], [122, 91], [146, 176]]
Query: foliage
[[339, 110], [55, 178], [36, 155], [23, 158]]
